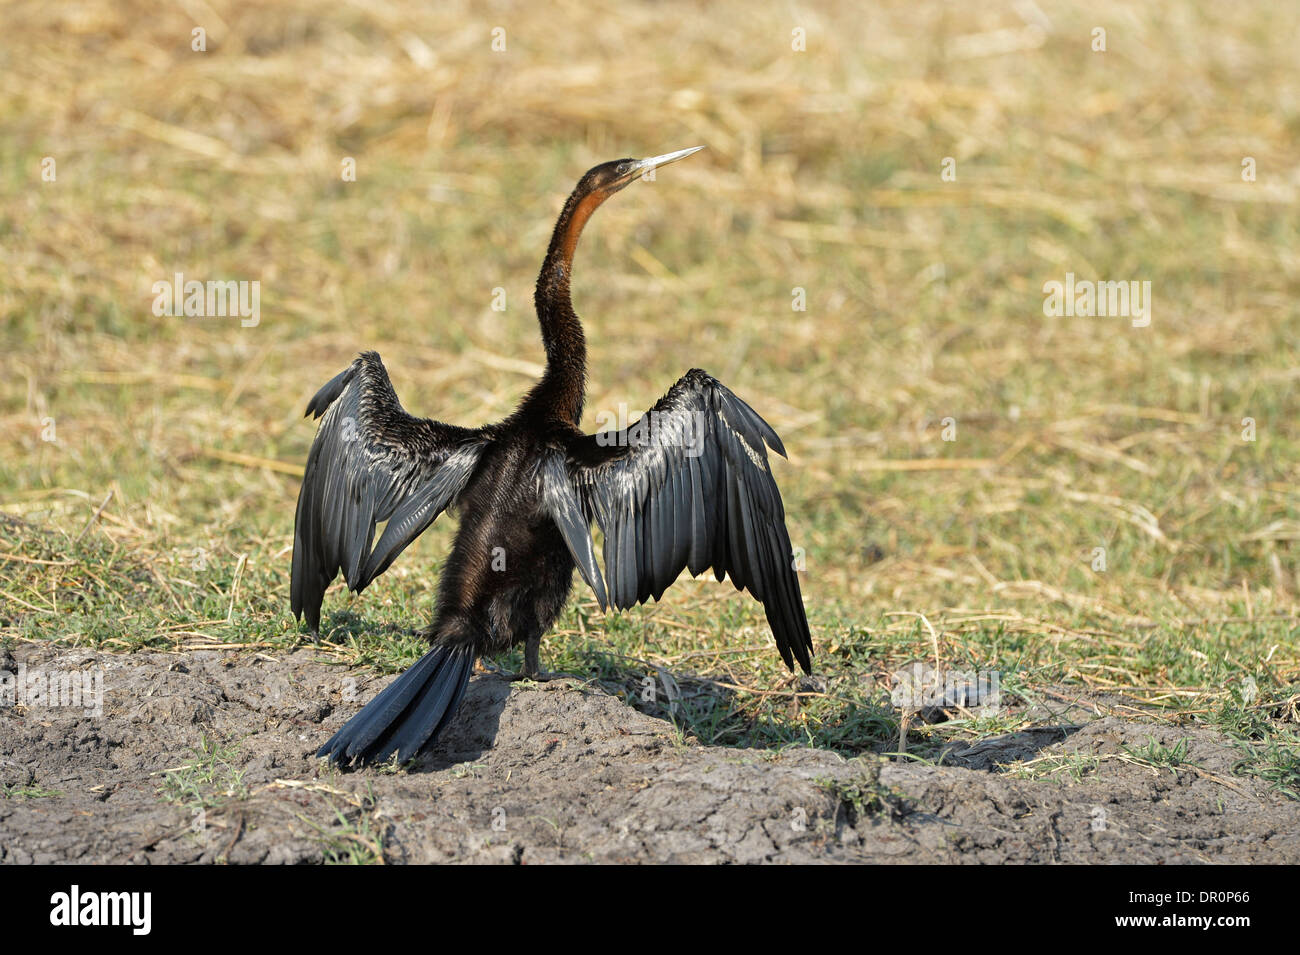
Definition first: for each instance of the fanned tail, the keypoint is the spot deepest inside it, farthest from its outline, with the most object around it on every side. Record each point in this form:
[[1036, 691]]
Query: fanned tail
[[409, 713]]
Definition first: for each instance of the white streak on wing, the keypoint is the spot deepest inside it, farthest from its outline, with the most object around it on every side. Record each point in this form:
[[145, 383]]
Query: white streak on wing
[[753, 455]]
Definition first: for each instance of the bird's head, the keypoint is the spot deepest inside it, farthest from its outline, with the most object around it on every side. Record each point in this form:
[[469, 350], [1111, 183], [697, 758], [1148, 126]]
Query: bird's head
[[609, 177], [595, 187]]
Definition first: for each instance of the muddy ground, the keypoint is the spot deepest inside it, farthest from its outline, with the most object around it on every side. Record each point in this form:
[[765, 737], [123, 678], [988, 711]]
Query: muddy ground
[[565, 772]]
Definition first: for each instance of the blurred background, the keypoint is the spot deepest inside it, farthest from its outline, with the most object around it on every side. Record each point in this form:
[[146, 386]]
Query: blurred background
[[1071, 498]]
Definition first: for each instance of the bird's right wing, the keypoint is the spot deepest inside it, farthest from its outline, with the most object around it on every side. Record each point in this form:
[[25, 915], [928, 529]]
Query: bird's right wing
[[686, 486], [371, 462]]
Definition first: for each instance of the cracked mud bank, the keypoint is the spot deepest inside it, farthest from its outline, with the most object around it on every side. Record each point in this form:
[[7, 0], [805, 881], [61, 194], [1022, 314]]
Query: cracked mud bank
[[208, 756]]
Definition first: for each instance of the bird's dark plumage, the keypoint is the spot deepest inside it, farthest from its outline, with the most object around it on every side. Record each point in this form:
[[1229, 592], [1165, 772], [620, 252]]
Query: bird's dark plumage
[[687, 486], [409, 712], [371, 462]]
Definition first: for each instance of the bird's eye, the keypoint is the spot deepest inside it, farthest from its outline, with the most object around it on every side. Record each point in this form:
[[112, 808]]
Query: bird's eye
[[622, 168]]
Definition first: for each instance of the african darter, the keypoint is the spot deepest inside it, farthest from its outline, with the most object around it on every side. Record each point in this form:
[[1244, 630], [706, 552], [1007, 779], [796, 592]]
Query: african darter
[[686, 486]]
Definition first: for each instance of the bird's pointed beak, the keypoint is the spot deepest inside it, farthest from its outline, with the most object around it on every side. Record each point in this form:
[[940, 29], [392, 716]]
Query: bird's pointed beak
[[655, 162], [642, 168]]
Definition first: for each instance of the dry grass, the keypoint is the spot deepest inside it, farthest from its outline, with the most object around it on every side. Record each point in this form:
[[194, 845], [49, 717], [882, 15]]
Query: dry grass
[[924, 302]]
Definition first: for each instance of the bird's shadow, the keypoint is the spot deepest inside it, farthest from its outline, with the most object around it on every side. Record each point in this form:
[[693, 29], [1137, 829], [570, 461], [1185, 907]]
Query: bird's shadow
[[710, 712], [691, 707], [473, 730]]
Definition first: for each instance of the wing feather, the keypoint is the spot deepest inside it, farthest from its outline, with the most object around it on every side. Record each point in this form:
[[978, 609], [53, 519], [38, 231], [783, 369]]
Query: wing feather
[[689, 486], [371, 462]]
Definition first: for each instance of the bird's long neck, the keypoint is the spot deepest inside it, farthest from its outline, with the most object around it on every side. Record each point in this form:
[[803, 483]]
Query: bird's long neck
[[561, 391]]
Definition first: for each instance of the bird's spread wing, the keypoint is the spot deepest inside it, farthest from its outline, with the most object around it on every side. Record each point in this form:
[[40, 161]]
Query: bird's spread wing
[[687, 485], [371, 462]]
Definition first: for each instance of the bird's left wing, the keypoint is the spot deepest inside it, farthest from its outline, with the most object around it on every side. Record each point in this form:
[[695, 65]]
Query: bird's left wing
[[371, 462], [686, 486]]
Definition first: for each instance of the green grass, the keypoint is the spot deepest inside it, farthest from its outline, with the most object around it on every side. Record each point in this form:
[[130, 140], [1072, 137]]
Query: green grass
[[1261, 724], [1276, 761], [212, 779], [1071, 434], [28, 792], [1077, 766], [1159, 756], [863, 796], [353, 839]]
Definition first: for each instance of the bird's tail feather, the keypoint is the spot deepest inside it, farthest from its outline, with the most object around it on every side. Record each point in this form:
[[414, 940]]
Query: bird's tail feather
[[409, 713]]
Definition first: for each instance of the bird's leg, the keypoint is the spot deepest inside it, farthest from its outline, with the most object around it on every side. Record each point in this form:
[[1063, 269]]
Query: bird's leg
[[532, 652], [532, 669]]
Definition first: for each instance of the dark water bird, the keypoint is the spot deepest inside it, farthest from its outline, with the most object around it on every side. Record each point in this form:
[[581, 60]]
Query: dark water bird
[[685, 486]]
